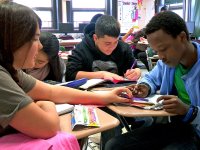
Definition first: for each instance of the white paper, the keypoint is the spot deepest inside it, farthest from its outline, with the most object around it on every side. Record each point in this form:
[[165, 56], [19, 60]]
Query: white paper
[[64, 108]]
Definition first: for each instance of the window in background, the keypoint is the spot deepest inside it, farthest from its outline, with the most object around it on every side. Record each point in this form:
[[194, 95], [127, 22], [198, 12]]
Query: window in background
[[83, 17], [83, 11], [35, 3], [88, 4], [190, 26], [44, 9], [177, 8]]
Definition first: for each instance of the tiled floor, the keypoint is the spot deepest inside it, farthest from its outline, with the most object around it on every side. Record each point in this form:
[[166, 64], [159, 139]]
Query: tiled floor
[[94, 140]]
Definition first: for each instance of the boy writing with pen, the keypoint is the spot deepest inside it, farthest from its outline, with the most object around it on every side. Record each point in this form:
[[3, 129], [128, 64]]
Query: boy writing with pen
[[101, 54]]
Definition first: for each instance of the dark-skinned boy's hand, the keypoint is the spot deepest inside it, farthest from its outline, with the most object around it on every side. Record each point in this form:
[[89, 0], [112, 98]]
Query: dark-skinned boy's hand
[[139, 90], [173, 104]]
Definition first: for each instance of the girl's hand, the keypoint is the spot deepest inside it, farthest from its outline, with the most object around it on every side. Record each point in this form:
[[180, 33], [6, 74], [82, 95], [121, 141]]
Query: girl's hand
[[114, 95]]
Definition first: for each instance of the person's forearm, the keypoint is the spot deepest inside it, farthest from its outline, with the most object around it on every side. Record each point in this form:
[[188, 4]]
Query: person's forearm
[[127, 34], [89, 75], [62, 94], [125, 37]]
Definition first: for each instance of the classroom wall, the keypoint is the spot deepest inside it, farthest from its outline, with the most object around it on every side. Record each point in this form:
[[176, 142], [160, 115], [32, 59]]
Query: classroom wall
[[146, 13], [64, 11], [131, 13]]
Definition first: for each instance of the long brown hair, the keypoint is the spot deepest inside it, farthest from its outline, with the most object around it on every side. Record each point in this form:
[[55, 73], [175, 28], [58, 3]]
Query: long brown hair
[[18, 25], [50, 45]]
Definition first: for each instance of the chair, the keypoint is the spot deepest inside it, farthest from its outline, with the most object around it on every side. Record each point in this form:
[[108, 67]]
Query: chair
[[152, 58], [82, 27], [66, 27]]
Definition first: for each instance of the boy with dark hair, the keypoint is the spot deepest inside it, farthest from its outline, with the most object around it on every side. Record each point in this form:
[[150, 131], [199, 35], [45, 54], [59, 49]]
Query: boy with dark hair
[[101, 54], [177, 76]]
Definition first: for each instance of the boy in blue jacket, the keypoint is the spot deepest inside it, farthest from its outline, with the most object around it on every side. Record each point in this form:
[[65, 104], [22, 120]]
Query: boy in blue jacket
[[177, 76]]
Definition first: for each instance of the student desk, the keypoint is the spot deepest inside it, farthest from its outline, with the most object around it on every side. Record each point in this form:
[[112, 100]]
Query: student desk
[[129, 111], [106, 122], [68, 43]]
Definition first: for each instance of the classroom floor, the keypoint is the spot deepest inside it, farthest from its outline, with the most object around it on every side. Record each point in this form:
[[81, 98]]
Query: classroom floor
[[94, 140], [93, 143]]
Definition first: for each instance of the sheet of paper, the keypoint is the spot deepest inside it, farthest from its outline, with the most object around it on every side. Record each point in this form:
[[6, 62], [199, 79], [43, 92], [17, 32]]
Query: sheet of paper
[[91, 83], [64, 108]]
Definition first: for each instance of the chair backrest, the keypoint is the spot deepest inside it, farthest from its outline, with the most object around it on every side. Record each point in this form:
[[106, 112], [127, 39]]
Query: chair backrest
[[66, 37], [82, 27], [152, 58], [66, 28]]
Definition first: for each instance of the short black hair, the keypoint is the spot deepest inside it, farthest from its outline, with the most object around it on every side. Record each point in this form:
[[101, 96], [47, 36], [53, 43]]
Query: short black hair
[[107, 25], [95, 17], [170, 22]]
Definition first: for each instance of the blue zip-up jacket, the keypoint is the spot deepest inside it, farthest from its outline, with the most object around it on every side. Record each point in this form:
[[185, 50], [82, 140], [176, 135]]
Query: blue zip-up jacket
[[162, 78]]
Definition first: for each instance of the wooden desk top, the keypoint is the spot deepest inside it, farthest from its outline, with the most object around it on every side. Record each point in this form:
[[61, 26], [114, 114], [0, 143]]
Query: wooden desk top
[[70, 42], [106, 122], [128, 111]]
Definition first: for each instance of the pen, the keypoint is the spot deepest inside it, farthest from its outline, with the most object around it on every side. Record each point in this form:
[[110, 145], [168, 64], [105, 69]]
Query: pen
[[140, 99], [134, 64]]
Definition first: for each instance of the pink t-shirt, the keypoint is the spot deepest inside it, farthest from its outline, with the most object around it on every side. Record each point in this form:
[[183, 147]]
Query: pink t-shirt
[[19, 141]]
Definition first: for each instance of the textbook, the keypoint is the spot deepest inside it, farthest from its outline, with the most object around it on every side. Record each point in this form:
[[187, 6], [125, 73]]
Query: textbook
[[64, 108], [84, 116], [107, 83]]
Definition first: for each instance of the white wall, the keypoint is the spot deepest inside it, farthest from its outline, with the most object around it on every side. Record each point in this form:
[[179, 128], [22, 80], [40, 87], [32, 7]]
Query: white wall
[[64, 11], [146, 13]]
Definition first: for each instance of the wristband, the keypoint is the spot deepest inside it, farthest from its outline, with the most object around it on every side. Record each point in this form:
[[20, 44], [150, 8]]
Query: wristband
[[191, 114], [194, 114]]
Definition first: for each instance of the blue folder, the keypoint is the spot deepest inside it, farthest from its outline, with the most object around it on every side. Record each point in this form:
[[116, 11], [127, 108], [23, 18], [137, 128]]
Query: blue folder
[[74, 83]]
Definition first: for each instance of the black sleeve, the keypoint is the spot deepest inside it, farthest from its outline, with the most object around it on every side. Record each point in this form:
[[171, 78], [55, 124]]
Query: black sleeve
[[74, 64], [128, 58]]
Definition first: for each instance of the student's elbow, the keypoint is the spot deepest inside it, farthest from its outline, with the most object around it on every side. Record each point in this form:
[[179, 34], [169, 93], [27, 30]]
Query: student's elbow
[[49, 134], [50, 131]]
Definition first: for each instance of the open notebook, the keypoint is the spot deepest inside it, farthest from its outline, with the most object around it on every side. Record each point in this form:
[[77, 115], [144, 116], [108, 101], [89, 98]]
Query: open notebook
[[64, 108], [145, 103]]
